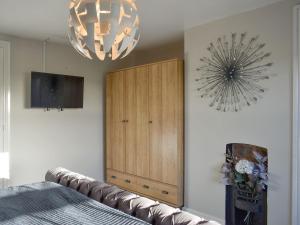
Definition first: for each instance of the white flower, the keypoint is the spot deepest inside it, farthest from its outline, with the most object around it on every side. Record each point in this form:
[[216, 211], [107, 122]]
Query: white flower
[[244, 166]]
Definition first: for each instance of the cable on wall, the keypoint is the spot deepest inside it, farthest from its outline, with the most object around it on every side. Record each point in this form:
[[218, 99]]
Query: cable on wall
[[44, 55], [44, 51]]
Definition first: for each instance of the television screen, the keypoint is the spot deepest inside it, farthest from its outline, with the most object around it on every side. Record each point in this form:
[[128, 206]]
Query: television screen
[[56, 91]]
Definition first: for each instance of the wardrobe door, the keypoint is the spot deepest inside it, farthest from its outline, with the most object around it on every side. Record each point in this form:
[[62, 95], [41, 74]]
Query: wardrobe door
[[115, 124], [131, 123], [164, 114], [142, 122], [155, 125], [170, 123], [136, 114]]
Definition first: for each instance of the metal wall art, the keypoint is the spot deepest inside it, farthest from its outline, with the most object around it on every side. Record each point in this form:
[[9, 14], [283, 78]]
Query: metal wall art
[[230, 76]]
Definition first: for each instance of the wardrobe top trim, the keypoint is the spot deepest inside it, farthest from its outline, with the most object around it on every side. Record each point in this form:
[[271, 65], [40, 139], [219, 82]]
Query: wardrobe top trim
[[148, 64]]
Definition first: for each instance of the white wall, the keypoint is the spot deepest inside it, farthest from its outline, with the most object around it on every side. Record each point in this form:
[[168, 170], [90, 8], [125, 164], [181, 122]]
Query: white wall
[[268, 123], [42, 140], [73, 138]]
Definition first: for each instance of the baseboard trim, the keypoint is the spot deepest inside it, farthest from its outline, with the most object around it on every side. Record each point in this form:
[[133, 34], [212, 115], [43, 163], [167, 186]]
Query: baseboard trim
[[204, 215]]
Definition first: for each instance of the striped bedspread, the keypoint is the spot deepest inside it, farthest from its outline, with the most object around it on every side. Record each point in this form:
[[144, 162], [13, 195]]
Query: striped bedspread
[[50, 203]]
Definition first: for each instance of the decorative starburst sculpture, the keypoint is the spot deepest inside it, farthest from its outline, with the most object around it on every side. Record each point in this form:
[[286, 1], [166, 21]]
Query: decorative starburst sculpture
[[230, 76], [103, 28]]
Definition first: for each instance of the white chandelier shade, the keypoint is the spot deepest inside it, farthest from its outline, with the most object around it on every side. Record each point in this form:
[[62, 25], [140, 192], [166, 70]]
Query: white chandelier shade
[[103, 28]]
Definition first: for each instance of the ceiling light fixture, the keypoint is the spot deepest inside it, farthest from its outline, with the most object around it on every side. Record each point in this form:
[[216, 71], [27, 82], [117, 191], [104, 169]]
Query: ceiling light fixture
[[101, 28]]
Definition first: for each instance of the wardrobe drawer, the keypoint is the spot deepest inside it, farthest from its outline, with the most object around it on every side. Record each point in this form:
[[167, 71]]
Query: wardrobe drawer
[[164, 192], [120, 179]]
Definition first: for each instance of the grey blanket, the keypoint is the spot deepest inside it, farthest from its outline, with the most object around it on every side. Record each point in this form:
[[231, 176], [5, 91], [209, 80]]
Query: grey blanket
[[50, 203]]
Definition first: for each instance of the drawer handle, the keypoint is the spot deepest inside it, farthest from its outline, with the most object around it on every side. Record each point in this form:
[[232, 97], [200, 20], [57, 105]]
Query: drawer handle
[[165, 192], [127, 181], [146, 186], [113, 177]]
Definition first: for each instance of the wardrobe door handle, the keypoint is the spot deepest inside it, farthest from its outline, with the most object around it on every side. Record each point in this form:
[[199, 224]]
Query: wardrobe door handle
[[165, 192], [127, 181], [150, 121], [146, 186]]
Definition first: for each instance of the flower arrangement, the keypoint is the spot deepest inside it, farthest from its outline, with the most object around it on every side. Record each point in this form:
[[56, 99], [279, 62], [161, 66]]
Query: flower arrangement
[[247, 176], [245, 173]]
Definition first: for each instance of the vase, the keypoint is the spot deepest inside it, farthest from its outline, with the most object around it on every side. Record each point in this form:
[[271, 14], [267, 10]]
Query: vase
[[247, 200]]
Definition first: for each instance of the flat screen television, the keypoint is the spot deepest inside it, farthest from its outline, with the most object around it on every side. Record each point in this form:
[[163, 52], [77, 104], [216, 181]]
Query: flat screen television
[[56, 91]]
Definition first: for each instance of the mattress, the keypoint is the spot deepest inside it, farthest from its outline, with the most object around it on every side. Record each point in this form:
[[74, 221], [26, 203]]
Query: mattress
[[51, 203]]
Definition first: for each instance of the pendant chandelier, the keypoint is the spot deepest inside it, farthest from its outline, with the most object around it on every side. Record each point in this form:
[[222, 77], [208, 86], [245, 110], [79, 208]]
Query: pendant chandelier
[[103, 28]]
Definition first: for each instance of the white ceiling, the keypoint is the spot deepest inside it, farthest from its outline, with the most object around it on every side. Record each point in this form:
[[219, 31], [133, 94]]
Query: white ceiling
[[162, 21]]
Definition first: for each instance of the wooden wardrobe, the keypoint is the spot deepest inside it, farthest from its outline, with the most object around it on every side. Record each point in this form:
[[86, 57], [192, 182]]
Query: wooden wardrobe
[[144, 130]]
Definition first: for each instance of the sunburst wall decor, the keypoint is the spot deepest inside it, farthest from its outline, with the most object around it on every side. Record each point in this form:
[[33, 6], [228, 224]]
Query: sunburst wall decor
[[230, 76]]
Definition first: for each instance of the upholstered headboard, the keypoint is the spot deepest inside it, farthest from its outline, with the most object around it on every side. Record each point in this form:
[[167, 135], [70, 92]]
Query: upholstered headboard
[[133, 204]]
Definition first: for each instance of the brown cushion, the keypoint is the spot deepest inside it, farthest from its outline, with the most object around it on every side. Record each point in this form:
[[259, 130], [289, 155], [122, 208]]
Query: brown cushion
[[142, 208], [97, 191], [111, 199], [66, 179], [106, 191], [210, 223], [86, 185], [162, 213], [185, 218], [54, 175], [114, 199], [76, 182], [125, 202]]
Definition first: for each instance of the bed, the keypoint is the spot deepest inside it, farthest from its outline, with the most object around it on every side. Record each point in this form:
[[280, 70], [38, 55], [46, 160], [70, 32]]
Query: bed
[[51, 203], [68, 198]]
